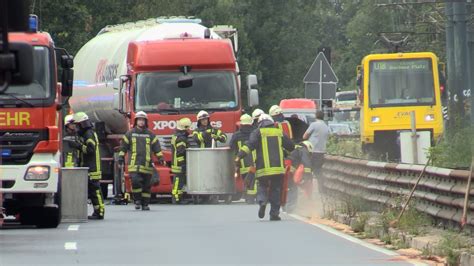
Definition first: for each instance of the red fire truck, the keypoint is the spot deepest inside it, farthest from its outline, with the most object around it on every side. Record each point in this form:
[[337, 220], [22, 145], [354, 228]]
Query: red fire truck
[[30, 133]]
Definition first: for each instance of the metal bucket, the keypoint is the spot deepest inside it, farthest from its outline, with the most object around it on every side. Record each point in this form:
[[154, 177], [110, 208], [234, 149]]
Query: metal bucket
[[210, 171], [74, 194]]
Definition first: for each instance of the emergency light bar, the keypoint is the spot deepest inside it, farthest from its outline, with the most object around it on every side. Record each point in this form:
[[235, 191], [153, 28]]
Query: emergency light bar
[[33, 23]]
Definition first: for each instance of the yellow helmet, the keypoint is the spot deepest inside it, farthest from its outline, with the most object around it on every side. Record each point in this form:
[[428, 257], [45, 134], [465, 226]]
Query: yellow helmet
[[256, 113], [80, 117], [68, 119], [183, 124], [275, 110], [246, 119]]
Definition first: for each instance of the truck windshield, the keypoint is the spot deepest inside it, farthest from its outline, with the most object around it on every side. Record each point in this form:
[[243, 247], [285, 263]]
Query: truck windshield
[[40, 88], [159, 91], [401, 82]]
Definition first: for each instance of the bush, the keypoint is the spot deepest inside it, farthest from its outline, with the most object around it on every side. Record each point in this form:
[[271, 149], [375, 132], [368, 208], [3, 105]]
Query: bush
[[454, 150]]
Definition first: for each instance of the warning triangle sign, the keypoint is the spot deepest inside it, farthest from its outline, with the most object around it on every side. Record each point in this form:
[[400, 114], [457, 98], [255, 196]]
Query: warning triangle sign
[[320, 71]]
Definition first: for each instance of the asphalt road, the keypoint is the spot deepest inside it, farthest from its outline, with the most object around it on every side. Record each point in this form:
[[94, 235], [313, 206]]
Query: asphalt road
[[187, 234]]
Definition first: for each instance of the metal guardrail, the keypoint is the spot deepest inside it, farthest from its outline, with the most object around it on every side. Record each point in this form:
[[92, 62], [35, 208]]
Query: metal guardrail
[[440, 192]]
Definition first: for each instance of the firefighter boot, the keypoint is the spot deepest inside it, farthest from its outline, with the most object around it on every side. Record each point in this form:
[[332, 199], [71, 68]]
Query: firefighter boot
[[145, 206], [138, 205], [275, 218], [261, 210], [96, 216]]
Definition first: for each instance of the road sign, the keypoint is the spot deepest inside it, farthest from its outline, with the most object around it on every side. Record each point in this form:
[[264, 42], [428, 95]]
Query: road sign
[[320, 71], [311, 91]]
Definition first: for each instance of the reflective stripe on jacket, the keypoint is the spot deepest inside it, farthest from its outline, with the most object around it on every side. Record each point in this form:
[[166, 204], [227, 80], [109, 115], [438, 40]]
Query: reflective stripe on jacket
[[90, 154], [179, 144], [203, 136], [140, 145], [237, 141], [269, 144]]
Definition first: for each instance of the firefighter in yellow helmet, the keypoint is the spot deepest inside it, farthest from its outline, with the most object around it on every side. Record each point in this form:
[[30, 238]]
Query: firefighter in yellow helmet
[[205, 133], [140, 144], [269, 143], [237, 141], [88, 146], [280, 122], [70, 155], [179, 144]]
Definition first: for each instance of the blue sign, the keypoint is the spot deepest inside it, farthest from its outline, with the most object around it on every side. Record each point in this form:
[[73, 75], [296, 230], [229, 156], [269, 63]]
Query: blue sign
[[6, 153]]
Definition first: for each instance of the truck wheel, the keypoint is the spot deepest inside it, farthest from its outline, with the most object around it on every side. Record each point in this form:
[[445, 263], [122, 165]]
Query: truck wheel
[[28, 216], [49, 218]]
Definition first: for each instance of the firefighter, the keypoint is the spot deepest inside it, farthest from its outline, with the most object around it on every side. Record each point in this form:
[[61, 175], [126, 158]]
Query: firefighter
[[179, 144], [301, 155], [255, 115], [88, 146], [247, 169], [205, 133], [140, 143], [269, 143], [70, 155], [280, 122]]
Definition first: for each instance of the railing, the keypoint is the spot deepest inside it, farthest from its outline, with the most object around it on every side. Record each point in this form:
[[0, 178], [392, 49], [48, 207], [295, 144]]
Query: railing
[[440, 192]]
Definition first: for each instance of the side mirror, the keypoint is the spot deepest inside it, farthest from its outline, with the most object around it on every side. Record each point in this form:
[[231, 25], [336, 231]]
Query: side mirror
[[116, 101], [252, 94], [116, 84], [20, 63], [67, 80], [67, 61], [185, 81], [251, 81], [253, 97]]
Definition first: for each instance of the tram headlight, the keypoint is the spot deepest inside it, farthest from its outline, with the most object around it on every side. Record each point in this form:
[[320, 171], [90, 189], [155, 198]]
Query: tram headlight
[[429, 117], [375, 119]]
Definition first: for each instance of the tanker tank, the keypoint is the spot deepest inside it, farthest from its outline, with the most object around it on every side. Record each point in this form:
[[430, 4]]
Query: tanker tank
[[103, 59]]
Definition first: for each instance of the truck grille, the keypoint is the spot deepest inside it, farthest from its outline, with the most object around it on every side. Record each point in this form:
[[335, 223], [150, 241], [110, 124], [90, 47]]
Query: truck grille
[[16, 147]]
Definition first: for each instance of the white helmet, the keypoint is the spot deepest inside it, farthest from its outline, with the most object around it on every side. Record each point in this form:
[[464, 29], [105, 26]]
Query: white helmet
[[275, 110], [256, 113], [141, 114], [68, 119], [265, 117], [202, 114]]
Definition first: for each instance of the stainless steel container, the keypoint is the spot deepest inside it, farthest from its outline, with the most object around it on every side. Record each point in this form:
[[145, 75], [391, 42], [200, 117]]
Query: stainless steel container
[[74, 194], [210, 171]]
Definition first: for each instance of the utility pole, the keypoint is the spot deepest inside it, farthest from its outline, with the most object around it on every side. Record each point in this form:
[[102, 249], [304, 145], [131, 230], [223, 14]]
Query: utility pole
[[450, 58], [460, 55]]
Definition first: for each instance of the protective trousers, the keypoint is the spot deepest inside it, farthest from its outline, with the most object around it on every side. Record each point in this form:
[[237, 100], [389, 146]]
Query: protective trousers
[[95, 195], [178, 184], [141, 187], [269, 188]]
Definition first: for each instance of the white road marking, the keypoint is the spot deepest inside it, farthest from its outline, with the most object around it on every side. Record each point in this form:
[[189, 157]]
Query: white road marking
[[354, 239], [73, 227], [70, 246]]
